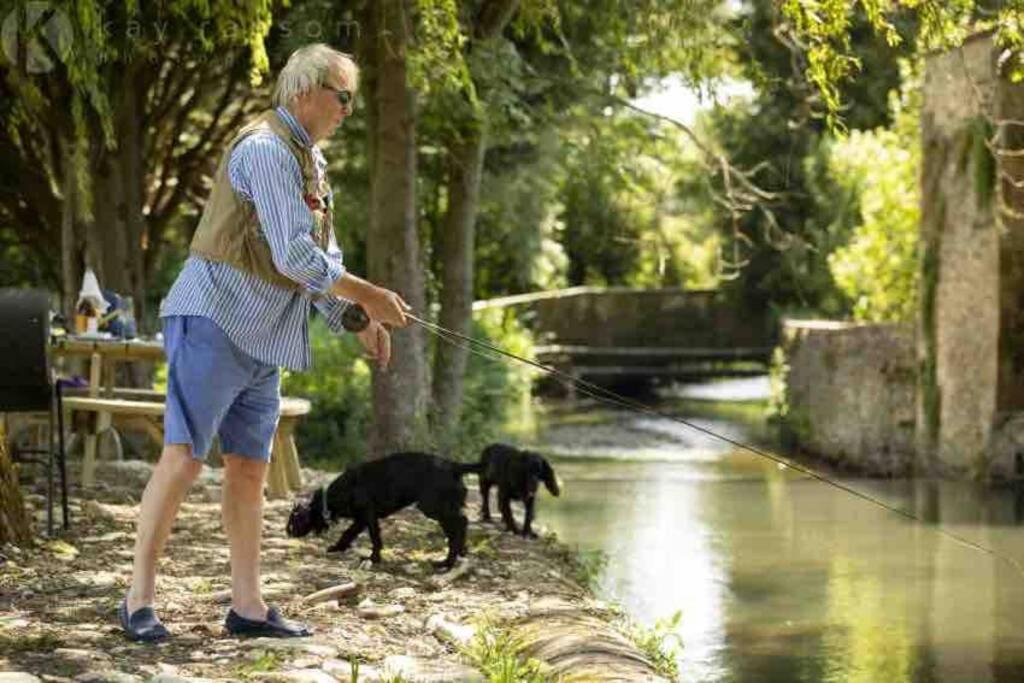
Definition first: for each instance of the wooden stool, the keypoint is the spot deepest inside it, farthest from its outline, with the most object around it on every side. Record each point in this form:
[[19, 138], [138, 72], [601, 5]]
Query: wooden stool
[[284, 476]]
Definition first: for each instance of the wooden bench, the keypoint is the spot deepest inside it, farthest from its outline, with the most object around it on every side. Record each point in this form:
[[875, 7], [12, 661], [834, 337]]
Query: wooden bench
[[283, 477]]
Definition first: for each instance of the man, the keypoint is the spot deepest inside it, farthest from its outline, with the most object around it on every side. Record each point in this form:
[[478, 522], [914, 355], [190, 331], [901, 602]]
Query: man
[[263, 254]]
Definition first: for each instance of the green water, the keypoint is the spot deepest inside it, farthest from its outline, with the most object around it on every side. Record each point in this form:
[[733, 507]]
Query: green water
[[780, 577]]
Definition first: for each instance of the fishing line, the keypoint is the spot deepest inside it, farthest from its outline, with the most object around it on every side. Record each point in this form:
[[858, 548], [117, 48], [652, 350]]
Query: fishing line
[[496, 353]]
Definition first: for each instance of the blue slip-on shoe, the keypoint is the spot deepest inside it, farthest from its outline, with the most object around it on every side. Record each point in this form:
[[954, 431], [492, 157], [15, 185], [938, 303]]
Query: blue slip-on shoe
[[142, 625], [274, 626]]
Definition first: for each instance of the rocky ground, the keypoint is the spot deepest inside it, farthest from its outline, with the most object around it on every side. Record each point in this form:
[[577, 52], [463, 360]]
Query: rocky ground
[[399, 621]]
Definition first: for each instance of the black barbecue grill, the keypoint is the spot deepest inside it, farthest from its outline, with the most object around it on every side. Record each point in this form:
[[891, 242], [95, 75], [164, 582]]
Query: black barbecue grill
[[27, 383]]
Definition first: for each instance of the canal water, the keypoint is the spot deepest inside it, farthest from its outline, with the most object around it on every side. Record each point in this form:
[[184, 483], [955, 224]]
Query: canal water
[[776, 576]]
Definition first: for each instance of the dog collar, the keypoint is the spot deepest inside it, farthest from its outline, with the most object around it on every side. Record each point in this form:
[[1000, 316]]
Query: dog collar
[[324, 512]]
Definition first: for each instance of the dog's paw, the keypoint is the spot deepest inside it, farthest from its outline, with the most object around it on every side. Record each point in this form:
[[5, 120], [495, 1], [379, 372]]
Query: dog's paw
[[530, 534], [442, 566], [336, 549]]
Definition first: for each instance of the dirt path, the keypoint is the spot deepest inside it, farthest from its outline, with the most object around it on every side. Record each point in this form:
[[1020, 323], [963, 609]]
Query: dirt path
[[404, 622]]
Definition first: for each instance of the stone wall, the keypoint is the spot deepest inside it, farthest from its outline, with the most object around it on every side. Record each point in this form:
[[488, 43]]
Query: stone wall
[[971, 328], [959, 351], [850, 393]]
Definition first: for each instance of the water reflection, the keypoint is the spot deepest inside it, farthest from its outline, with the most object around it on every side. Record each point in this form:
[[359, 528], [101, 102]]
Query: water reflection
[[781, 578]]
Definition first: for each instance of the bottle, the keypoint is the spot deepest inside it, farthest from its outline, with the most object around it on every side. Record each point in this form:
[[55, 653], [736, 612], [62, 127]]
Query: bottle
[[86, 318], [128, 329]]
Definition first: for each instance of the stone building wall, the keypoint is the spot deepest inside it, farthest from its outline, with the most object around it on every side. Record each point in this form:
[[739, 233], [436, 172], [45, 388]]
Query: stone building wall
[[850, 393], [971, 327]]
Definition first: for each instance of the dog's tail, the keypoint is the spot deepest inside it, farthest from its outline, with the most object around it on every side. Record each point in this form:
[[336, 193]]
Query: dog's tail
[[462, 468]]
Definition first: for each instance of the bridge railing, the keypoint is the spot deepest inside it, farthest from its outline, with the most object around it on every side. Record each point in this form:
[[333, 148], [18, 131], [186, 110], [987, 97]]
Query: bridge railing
[[620, 332]]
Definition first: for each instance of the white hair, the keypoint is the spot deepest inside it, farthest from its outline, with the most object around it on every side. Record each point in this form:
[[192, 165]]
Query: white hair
[[309, 67]]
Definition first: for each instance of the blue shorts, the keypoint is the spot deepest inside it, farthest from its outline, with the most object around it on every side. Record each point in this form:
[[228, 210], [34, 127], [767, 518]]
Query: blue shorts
[[214, 388]]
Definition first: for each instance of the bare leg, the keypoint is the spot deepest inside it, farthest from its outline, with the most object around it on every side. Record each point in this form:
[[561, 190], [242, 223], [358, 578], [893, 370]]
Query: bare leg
[[166, 489], [242, 510]]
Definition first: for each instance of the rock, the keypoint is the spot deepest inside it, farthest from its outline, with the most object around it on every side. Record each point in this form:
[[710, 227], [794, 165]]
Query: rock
[[78, 655], [332, 593], [84, 635], [463, 567], [175, 678], [96, 578], [128, 474], [107, 677], [450, 631], [62, 550], [296, 676], [11, 622], [403, 593], [18, 677], [295, 645], [270, 593], [97, 510], [370, 610], [418, 670], [343, 671]]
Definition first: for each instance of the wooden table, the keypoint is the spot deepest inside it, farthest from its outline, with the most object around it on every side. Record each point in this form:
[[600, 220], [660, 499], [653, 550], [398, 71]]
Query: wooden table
[[106, 401], [101, 384]]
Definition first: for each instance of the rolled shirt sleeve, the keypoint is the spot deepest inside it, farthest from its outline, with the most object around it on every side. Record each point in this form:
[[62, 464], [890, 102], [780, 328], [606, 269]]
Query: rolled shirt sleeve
[[332, 307], [264, 171]]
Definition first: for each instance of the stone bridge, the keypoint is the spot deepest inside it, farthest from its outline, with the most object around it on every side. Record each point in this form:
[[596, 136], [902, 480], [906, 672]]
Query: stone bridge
[[620, 334]]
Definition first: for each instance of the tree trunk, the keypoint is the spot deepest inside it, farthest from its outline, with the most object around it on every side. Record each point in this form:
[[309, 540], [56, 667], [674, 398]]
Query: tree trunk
[[14, 522], [116, 236], [457, 240], [393, 251], [70, 261], [129, 157], [456, 243]]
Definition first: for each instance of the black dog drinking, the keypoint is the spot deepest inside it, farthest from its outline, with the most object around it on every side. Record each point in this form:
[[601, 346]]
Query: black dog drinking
[[371, 491], [516, 474]]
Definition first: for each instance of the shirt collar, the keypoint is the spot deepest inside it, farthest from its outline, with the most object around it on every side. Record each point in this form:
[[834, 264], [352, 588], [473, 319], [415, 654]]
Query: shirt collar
[[295, 127]]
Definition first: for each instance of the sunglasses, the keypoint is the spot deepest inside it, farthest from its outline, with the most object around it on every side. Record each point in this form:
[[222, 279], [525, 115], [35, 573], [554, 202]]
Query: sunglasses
[[345, 97]]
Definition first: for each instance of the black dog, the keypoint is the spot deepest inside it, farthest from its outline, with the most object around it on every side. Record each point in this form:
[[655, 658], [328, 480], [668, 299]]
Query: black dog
[[517, 474], [371, 491]]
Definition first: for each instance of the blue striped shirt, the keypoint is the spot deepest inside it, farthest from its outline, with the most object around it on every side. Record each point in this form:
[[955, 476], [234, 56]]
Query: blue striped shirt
[[269, 323]]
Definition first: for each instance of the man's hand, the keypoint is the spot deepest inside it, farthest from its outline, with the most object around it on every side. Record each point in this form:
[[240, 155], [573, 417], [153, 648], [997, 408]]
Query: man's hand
[[377, 342], [380, 304], [385, 306]]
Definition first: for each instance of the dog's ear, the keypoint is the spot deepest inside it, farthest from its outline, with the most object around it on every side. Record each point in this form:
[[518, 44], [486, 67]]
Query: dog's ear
[[548, 477]]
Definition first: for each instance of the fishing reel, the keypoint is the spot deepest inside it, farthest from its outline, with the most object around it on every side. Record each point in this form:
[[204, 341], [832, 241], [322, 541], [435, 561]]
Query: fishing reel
[[354, 318]]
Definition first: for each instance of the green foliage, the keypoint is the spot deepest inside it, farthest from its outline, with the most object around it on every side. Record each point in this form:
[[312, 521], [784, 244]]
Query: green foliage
[[497, 394], [781, 261], [823, 27], [660, 643], [977, 159], [334, 433], [496, 653], [588, 566], [623, 221], [436, 60], [879, 268], [263, 661]]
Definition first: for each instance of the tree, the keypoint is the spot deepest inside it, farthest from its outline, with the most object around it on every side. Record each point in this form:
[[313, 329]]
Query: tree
[[113, 176], [824, 31], [782, 248], [14, 523], [465, 145], [393, 247]]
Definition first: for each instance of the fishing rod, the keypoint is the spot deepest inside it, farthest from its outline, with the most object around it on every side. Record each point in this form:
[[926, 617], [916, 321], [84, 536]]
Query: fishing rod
[[485, 349]]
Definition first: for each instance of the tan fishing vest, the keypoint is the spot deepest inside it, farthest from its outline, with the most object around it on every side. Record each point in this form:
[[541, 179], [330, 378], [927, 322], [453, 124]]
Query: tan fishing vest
[[229, 230]]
